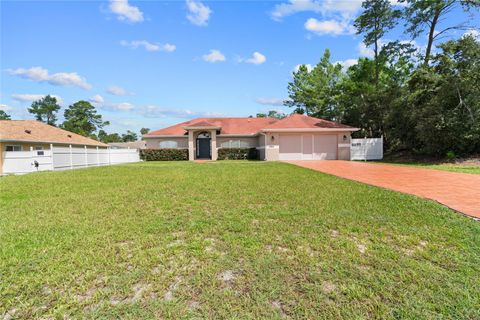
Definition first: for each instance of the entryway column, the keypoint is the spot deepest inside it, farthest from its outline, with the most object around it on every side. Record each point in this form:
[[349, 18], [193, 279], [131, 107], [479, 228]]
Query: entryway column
[[213, 136], [191, 146]]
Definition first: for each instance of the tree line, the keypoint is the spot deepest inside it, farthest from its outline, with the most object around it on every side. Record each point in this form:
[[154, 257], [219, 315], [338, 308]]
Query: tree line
[[81, 117], [420, 101]]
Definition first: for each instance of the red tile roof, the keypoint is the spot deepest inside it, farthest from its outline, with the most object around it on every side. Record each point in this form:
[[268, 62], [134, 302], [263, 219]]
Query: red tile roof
[[248, 126], [300, 121], [229, 126], [35, 131]]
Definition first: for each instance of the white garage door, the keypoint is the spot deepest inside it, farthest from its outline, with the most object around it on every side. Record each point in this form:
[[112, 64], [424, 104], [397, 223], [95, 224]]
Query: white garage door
[[307, 147]]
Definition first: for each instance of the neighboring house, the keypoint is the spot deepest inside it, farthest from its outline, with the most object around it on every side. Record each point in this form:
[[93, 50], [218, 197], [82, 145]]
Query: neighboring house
[[297, 137], [35, 136], [140, 144]]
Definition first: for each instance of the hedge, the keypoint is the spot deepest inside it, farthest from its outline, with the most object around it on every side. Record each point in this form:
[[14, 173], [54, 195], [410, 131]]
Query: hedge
[[164, 154], [237, 154]]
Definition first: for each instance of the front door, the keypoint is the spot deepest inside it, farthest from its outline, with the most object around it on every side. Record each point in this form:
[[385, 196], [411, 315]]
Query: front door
[[203, 145]]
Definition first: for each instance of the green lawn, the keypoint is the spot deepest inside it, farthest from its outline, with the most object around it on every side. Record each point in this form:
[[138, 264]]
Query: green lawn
[[229, 240], [462, 168]]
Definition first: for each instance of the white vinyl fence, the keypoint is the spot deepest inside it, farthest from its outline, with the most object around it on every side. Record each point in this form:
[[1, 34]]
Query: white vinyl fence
[[366, 149], [65, 158]]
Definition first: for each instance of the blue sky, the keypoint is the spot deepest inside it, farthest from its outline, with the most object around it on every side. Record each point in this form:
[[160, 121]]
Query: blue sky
[[156, 63]]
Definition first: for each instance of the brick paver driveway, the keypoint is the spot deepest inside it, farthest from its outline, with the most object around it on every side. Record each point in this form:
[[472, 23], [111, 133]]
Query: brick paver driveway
[[459, 191]]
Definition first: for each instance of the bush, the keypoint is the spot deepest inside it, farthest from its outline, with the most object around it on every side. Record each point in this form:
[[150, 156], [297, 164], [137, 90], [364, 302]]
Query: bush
[[164, 154], [237, 154], [451, 155]]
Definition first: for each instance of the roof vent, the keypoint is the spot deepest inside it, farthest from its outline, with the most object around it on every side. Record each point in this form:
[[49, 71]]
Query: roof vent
[[69, 135], [28, 131]]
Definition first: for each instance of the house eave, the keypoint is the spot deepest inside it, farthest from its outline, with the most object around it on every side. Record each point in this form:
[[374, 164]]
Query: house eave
[[153, 136], [311, 130], [54, 142]]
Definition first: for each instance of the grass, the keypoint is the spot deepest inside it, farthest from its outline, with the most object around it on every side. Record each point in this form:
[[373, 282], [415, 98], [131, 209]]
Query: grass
[[452, 167], [229, 240]]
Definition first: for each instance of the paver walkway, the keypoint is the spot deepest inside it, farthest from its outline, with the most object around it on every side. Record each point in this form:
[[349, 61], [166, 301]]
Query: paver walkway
[[459, 191]]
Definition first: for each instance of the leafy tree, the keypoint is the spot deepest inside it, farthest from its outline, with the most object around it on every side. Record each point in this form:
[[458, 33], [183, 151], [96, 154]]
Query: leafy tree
[[4, 115], [377, 18], [129, 136], [82, 118], [144, 131], [45, 109], [108, 138], [425, 15], [272, 114], [445, 100], [315, 92]]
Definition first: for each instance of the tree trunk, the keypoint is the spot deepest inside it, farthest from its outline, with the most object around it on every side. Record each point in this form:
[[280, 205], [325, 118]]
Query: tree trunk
[[431, 35]]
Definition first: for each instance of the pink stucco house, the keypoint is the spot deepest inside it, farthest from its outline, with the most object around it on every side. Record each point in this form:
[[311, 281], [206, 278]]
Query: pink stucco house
[[297, 137]]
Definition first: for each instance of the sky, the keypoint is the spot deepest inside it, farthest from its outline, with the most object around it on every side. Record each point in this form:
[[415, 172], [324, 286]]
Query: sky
[[156, 63]]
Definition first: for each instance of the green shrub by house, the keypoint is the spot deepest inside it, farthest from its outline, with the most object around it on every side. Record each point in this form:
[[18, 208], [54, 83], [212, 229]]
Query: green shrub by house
[[237, 154], [164, 154]]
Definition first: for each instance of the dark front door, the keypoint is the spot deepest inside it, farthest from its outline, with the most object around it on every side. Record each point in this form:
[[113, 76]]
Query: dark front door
[[203, 148]]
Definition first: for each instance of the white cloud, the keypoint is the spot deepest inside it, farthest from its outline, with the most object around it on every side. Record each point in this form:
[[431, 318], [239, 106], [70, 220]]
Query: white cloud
[[198, 13], [347, 63], [297, 67], [5, 108], [257, 58], [123, 106], [58, 79], [126, 12], [117, 91], [332, 27], [324, 7], [270, 101], [160, 112], [148, 45], [27, 97], [214, 56], [364, 51], [473, 32], [97, 99]]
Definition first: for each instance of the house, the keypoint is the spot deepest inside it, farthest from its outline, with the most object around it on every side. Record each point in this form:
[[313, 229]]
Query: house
[[297, 137], [35, 136], [139, 144]]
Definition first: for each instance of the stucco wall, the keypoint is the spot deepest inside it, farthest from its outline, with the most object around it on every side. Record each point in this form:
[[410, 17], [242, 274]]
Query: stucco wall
[[154, 143]]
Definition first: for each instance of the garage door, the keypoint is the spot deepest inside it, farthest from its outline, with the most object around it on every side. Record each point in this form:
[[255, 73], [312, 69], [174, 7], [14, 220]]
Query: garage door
[[307, 147]]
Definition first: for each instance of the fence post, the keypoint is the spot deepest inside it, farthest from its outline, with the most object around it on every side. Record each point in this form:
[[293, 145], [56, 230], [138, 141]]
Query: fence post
[[98, 158], [86, 156], [51, 156], [31, 158], [71, 157], [109, 157]]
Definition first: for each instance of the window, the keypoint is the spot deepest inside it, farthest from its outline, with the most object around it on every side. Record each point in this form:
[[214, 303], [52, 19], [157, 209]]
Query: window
[[38, 148], [235, 144], [13, 148], [203, 135], [168, 144]]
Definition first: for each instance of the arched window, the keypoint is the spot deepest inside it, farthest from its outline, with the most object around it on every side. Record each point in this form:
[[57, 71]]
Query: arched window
[[203, 135], [168, 144]]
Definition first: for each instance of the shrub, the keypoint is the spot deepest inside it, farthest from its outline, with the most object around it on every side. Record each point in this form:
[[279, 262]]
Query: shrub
[[237, 154], [451, 155], [164, 154]]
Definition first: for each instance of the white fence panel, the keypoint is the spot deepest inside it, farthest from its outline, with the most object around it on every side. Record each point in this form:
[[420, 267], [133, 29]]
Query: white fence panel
[[20, 162], [366, 149], [65, 158], [124, 155]]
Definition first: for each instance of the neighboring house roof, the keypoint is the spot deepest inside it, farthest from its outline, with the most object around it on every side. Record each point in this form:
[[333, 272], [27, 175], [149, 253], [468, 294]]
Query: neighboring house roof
[[36, 131], [299, 121], [247, 126], [251, 126], [140, 144]]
